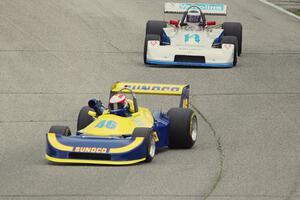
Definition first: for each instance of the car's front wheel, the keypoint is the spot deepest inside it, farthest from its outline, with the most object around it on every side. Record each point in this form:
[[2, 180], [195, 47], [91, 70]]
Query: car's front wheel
[[155, 27], [232, 40], [147, 134], [234, 29], [149, 37], [84, 119], [60, 130]]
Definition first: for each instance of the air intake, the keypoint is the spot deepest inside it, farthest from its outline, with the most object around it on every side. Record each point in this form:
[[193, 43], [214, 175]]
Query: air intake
[[89, 156], [193, 59]]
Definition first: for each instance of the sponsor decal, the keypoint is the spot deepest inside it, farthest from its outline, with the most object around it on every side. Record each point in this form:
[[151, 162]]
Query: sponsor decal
[[227, 46], [90, 149], [202, 6], [154, 88], [153, 43], [187, 37], [156, 139], [185, 103]]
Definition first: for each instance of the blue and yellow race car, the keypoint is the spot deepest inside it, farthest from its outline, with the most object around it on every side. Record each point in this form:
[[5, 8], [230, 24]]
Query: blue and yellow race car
[[106, 138]]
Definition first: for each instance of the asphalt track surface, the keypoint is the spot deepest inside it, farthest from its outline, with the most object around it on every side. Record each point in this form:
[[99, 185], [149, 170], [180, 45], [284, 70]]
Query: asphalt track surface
[[56, 54]]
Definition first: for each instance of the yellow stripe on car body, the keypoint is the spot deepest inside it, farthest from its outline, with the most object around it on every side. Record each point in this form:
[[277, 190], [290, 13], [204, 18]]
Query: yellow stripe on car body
[[149, 88], [56, 144], [137, 142], [59, 146], [101, 162]]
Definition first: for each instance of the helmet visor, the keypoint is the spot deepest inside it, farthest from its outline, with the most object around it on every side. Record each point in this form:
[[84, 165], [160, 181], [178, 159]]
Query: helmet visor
[[193, 18], [116, 106]]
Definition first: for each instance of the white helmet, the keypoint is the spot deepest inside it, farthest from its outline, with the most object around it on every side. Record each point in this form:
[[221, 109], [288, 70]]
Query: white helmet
[[193, 17], [118, 104]]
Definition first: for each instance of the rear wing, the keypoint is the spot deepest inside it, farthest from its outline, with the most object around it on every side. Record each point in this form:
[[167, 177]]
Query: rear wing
[[206, 8], [154, 89]]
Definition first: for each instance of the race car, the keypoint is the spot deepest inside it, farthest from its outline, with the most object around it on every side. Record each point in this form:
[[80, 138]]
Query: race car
[[107, 136], [192, 40]]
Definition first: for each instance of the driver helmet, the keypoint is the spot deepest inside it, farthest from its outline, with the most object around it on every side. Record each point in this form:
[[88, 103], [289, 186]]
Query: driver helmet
[[118, 104], [193, 18]]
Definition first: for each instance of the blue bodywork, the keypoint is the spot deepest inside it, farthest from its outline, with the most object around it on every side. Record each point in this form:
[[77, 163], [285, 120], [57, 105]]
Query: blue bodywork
[[193, 64], [161, 124], [165, 40]]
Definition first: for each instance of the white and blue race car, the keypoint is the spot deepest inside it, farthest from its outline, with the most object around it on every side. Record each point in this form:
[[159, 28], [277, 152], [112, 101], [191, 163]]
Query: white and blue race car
[[192, 40]]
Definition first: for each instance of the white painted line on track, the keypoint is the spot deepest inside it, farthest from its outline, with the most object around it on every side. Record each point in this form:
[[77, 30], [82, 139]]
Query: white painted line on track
[[280, 9]]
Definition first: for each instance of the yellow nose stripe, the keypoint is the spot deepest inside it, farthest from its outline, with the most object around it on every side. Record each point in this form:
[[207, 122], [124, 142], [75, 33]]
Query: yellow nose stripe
[[56, 144], [59, 146], [138, 141]]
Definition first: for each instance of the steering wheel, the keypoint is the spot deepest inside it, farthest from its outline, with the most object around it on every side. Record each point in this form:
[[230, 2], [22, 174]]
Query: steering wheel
[[203, 19]]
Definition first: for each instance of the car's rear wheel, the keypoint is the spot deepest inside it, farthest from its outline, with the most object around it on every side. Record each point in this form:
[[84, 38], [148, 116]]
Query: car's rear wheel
[[183, 128], [60, 130], [146, 133], [84, 119], [232, 40], [234, 29], [149, 37]]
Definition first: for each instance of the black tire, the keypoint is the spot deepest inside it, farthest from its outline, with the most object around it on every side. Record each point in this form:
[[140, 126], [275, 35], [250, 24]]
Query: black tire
[[181, 129], [60, 130], [147, 133], [84, 119], [232, 40], [234, 29], [147, 38], [155, 27]]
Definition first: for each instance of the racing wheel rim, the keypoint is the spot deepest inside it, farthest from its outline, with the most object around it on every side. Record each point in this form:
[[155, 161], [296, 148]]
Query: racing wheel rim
[[194, 129], [152, 148]]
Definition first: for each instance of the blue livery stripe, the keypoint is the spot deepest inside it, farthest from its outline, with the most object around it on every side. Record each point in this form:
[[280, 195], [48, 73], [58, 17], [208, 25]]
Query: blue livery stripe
[[157, 62]]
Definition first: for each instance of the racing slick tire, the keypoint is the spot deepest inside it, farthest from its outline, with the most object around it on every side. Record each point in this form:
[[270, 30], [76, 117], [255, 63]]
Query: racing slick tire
[[84, 119], [183, 128], [232, 40], [60, 130], [147, 133], [234, 29], [155, 27], [147, 38]]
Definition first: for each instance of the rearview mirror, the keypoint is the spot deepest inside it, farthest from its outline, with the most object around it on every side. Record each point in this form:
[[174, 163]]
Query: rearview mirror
[[211, 23]]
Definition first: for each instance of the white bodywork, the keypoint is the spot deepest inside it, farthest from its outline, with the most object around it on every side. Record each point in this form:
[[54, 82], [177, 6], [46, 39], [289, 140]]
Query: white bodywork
[[193, 44], [188, 41]]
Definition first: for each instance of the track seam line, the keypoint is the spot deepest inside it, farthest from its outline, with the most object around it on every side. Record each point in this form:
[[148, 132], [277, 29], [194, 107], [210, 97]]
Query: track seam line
[[219, 149], [280, 9]]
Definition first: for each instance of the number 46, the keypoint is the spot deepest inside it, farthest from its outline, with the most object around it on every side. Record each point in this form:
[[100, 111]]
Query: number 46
[[107, 124]]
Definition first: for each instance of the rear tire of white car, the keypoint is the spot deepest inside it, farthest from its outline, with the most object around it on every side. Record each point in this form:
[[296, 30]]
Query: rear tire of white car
[[155, 27], [234, 29], [232, 40], [183, 128], [146, 133], [147, 38], [60, 130]]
